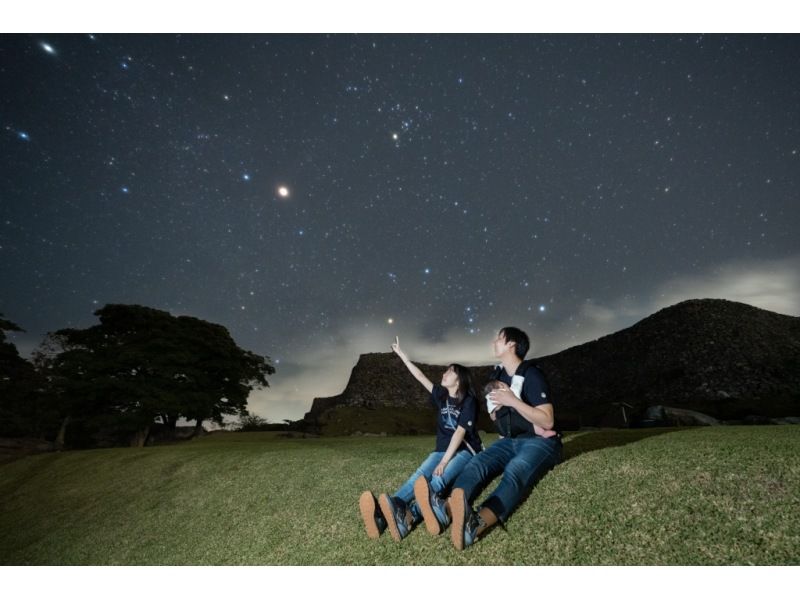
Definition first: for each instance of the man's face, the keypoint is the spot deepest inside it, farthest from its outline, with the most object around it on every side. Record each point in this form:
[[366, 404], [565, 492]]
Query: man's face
[[500, 347]]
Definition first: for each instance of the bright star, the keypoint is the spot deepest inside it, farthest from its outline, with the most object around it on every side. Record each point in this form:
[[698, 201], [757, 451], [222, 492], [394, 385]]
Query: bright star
[[24, 136], [395, 136], [125, 190], [542, 308], [283, 191], [47, 48], [246, 177], [390, 321]]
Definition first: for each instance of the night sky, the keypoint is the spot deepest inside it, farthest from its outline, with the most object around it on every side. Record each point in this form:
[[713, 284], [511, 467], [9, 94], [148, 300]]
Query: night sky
[[318, 195]]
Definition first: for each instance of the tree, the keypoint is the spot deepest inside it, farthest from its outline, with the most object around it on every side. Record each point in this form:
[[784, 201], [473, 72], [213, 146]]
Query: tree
[[141, 364], [20, 413], [250, 422]]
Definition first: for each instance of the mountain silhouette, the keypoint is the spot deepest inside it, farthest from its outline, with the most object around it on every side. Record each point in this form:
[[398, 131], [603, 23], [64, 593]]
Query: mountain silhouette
[[725, 359]]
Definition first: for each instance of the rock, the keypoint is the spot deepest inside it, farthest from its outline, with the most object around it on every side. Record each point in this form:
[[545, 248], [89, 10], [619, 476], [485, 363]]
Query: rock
[[674, 416]]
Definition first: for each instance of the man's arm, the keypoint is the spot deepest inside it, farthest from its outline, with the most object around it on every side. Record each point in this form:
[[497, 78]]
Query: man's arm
[[541, 415]]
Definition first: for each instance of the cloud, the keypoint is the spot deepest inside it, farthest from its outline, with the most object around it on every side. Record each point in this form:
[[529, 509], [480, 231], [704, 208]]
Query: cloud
[[325, 370], [773, 285]]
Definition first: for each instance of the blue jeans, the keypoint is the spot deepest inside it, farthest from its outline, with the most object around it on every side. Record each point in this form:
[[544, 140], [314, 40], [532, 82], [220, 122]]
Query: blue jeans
[[437, 483], [522, 461]]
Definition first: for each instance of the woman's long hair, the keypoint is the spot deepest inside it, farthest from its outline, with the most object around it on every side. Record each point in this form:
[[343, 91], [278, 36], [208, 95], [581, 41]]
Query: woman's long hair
[[465, 385]]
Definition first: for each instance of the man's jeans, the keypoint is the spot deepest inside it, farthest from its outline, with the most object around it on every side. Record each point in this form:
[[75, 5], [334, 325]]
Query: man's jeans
[[522, 461], [437, 483]]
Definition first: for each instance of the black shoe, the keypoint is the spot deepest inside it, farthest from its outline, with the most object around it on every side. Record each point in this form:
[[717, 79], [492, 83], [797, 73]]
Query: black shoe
[[467, 523], [396, 515], [373, 518], [432, 507]]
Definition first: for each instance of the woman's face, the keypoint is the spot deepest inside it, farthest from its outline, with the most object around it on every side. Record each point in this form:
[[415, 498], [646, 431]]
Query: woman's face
[[450, 378]]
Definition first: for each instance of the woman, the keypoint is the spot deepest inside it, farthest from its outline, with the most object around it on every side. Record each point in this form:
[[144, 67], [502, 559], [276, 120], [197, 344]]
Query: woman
[[457, 441]]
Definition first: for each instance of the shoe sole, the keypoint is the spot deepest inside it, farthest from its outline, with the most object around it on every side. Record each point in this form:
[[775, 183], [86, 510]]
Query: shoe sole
[[388, 515], [423, 498], [366, 505], [459, 515]]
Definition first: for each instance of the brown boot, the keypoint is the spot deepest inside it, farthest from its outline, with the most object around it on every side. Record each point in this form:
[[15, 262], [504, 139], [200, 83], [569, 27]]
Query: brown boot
[[468, 525], [374, 522], [397, 515], [432, 507]]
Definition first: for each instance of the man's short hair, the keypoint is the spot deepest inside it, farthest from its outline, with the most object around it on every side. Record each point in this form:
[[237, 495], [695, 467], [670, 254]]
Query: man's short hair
[[519, 338]]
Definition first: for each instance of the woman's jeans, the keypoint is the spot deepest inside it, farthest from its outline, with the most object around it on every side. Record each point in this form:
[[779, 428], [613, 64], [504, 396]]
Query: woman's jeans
[[437, 483], [521, 461]]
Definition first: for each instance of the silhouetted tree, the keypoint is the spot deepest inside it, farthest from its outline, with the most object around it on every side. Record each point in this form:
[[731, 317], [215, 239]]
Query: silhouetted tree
[[249, 422], [142, 364], [19, 399]]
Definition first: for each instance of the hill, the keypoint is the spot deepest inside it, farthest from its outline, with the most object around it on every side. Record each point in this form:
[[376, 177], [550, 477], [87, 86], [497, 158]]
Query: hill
[[725, 359]]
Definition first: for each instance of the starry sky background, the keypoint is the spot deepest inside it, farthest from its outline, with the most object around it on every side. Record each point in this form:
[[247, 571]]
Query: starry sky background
[[439, 187]]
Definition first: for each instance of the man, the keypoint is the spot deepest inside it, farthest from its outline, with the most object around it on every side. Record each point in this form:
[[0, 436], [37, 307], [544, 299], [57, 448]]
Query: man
[[520, 455]]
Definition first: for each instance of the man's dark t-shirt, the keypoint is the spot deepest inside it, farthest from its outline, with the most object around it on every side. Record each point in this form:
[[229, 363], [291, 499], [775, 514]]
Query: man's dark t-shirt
[[453, 414], [534, 391]]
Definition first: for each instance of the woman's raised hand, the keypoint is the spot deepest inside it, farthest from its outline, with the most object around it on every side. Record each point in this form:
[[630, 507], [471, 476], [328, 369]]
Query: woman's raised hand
[[396, 348]]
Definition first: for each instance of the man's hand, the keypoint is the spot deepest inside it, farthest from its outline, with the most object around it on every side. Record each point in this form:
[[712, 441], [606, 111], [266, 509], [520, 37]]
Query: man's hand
[[439, 471], [504, 398]]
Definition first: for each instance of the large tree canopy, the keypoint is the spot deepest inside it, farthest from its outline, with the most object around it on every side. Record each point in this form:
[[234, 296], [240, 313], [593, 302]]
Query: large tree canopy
[[140, 364], [18, 385]]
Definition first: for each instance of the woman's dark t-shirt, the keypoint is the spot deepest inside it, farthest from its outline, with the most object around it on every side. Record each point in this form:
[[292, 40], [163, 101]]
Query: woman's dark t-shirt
[[453, 414]]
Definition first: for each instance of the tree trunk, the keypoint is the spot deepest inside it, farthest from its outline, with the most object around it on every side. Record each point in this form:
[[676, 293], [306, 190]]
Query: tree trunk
[[140, 438], [197, 427], [62, 434]]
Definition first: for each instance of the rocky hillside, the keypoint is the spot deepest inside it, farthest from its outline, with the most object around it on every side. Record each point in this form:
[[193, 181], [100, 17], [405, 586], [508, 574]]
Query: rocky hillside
[[725, 359]]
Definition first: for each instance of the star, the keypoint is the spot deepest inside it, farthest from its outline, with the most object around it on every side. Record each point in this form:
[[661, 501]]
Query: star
[[542, 308], [48, 48], [24, 136], [395, 136], [283, 191], [245, 177], [390, 321]]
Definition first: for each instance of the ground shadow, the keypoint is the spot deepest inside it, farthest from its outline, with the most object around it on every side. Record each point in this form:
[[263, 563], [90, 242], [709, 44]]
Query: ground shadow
[[602, 439], [590, 441]]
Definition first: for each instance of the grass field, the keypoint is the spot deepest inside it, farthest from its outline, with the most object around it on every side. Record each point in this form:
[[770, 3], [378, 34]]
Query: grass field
[[725, 495]]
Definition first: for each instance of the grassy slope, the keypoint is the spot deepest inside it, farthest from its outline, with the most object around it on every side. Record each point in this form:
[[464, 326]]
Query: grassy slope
[[698, 496]]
